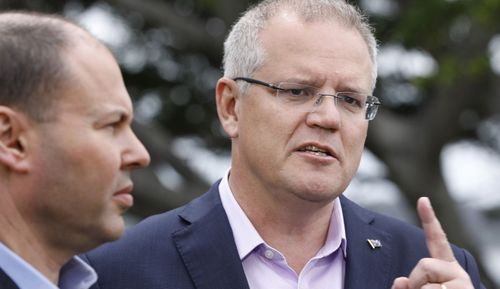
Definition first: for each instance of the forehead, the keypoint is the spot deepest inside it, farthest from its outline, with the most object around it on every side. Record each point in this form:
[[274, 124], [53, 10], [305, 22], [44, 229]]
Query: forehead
[[95, 81], [323, 50]]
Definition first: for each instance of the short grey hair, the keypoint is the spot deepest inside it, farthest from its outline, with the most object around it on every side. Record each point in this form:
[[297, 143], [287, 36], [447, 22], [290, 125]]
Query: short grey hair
[[243, 53]]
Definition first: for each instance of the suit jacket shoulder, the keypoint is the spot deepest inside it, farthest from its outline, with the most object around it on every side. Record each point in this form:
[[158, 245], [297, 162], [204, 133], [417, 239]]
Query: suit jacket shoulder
[[189, 247], [6, 282]]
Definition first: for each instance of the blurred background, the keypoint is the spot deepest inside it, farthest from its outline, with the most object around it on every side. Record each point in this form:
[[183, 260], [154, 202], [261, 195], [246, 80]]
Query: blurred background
[[437, 134]]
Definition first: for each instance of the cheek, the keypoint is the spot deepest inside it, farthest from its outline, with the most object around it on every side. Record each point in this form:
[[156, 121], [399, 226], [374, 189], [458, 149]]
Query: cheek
[[268, 119], [267, 133], [91, 165], [91, 182], [98, 171], [354, 142]]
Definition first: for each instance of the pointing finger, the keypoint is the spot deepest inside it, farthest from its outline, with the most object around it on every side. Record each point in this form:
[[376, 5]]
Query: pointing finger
[[437, 243]]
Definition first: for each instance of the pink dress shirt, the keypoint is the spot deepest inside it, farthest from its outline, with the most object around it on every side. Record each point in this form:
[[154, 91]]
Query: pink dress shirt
[[265, 267]]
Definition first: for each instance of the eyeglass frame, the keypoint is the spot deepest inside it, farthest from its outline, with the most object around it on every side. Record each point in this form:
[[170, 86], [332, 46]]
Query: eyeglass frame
[[370, 101]]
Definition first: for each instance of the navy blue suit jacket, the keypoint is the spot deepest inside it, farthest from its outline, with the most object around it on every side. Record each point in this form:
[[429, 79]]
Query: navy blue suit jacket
[[193, 247], [6, 282]]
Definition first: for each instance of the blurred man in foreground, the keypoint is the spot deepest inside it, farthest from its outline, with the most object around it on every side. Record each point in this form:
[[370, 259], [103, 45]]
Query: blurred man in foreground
[[66, 151], [296, 101]]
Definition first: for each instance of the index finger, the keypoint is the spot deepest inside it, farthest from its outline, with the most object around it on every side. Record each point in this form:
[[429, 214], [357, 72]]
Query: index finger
[[437, 243]]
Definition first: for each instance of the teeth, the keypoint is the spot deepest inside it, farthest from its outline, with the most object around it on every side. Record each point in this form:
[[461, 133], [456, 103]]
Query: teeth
[[315, 150], [321, 154]]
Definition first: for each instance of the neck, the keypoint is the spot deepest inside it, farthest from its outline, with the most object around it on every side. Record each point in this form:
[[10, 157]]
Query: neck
[[296, 227], [19, 235]]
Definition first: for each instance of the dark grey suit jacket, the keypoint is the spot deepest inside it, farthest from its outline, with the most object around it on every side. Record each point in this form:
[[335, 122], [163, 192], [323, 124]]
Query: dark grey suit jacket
[[193, 247]]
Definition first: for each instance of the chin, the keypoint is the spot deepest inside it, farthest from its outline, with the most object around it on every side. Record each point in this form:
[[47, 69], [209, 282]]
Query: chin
[[317, 192], [113, 230], [100, 232], [319, 197]]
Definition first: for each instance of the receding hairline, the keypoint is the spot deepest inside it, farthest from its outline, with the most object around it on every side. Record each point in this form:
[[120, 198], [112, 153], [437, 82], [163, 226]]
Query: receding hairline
[[31, 17], [72, 31], [65, 37]]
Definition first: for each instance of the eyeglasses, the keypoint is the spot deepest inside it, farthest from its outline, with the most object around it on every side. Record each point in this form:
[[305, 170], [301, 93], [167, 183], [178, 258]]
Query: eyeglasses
[[295, 94]]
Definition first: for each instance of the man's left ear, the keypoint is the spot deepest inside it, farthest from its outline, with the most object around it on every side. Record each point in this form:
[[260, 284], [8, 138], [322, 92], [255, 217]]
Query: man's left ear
[[13, 126]]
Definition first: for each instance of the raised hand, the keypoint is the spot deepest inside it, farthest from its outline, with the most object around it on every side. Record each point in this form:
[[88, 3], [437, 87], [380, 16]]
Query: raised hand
[[441, 270]]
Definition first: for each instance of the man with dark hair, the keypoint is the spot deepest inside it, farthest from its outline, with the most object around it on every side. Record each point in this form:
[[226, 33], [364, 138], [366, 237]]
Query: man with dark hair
[[66, 151], [296, 101]]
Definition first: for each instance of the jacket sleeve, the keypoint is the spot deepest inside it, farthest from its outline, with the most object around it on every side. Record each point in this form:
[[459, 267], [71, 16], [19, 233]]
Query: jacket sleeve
[[470, 266]]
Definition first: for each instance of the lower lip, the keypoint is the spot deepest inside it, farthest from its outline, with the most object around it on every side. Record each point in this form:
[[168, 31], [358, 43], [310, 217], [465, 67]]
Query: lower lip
[[124, 200]]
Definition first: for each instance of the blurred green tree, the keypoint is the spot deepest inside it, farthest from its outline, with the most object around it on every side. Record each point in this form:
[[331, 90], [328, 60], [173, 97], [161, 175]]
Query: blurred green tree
[[439, 82]]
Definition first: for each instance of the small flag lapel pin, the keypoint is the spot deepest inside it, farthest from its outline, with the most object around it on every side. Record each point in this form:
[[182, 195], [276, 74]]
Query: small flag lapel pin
[[374, 243]]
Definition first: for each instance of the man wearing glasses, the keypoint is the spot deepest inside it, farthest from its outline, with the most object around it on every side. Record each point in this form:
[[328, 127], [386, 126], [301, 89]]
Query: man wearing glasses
[[296, 101]]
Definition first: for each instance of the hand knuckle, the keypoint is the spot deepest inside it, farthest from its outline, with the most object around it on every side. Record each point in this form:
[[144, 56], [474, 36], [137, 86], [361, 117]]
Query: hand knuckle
[[425, 264]]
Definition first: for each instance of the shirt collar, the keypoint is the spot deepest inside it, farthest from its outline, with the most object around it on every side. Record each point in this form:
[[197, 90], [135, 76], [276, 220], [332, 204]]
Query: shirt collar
[[245, 235], [336, 232], [247, 238], [75, 274]]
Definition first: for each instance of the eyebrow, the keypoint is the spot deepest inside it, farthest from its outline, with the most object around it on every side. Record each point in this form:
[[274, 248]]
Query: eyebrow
[[303, 80], [115, 114], [316, 83], [355, 89]]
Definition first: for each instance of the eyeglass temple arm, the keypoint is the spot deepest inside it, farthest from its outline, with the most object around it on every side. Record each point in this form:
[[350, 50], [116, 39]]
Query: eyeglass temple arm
[[255, 81]]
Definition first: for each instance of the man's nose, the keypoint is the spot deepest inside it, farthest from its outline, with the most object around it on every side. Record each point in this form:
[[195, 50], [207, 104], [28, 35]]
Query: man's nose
[[136, 155], [325, 113]]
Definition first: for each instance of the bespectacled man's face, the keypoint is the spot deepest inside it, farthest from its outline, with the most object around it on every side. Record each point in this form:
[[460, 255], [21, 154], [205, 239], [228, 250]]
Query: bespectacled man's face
[[85, 155], [307, 153]]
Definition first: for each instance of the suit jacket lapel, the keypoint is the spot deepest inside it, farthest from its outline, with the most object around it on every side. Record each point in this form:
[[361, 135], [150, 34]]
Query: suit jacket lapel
[[366, 267], [207, 245], [6, 282]]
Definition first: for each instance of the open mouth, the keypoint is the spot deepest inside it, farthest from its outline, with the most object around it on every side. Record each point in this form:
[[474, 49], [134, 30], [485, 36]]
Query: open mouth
[[317, 151]]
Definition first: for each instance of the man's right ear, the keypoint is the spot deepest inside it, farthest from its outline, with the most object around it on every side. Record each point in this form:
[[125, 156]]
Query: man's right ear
[[227, 105], [12, 140]]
